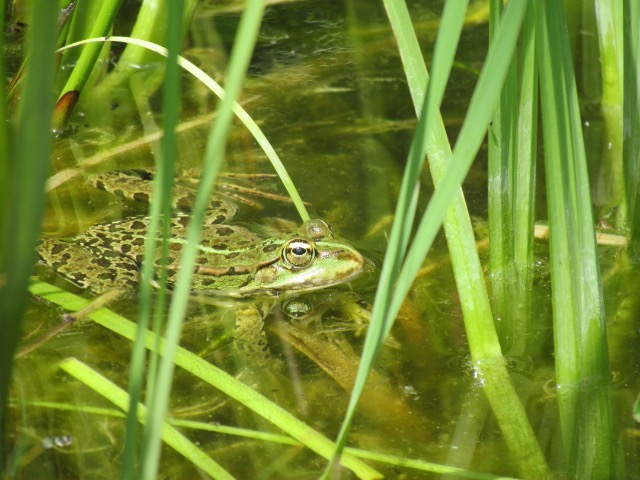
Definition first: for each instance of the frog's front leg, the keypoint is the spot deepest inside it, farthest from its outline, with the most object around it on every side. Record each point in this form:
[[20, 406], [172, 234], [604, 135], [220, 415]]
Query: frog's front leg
[[250, 338]]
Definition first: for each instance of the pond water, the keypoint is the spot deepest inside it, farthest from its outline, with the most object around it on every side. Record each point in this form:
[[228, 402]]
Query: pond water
[[327, 88]]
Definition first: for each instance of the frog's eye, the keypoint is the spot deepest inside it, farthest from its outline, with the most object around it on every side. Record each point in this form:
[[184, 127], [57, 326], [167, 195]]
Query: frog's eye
[[298, 253], [316, 230]]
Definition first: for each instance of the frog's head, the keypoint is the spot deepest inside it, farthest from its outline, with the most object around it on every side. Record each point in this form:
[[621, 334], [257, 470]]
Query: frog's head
[[309, 260]]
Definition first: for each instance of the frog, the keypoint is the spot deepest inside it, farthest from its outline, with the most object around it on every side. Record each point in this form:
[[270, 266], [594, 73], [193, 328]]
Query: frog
[[248, 272], [232, 260]]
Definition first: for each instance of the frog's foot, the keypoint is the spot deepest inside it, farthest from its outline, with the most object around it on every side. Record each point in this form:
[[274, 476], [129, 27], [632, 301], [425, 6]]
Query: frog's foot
[[244, 188], [96, 304], [69, 319], [137, 185], [66, 321], [244, 195]]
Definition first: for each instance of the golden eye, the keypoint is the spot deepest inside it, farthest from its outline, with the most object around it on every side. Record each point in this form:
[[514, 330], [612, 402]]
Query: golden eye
[[298, 253]]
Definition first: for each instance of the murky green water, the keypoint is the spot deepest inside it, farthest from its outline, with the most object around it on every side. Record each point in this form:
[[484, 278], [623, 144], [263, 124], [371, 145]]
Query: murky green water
[[327, 88]]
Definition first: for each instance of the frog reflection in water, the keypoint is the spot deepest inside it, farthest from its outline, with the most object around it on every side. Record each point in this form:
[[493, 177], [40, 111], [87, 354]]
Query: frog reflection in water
[[231, 260]]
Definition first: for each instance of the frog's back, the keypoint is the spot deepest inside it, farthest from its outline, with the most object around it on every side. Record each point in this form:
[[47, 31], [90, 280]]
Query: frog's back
[[221, 248]]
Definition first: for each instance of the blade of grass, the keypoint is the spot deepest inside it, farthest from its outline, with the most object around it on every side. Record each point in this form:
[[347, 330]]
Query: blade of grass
[[426, 106], [102, 25], [85, 66], [608, 189], [631, 112], [483, 343], [119, 397], [25, 164], [9, 341], [15, 85], [402, 461], [524, 197], [159, 213], [212, 375], [430, 135], [240, 112], [151, 24], [241, 54], [469, 425], [512, 153], [485, 349], [79, 26], [409, 48], [501, 174], [4, 168], [582, 372]]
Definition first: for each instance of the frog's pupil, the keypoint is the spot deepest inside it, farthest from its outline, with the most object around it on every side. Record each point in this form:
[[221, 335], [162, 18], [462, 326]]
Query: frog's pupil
[[299, 250]]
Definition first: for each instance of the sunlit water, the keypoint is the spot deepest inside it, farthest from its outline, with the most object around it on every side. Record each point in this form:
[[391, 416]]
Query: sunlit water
[[327, 88]]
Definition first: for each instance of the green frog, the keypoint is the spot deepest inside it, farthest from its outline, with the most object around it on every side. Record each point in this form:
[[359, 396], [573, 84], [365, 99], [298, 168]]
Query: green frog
[[231, 261]]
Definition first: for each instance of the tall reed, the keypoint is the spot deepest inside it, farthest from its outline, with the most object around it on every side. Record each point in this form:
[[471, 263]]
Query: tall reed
[[631, 121], [159, 227], [403, 258], [580, 341], [159, 398], [25, 149], [582, 371]]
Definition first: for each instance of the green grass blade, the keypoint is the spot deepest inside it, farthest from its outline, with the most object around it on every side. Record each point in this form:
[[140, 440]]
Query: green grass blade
[[9, 341], [582, 372], [410, 53], [483, 342], [384, 458], [151, 24], [484, 345], [161, 205], [479, 114], [435, 141], [631, 113], [501, 172], [524, 197], [418, 78], [240, 112], [608, 191], [512, 152], [160, 209], [243, 48], [78, 26], [119, 397], [91, 19], [401, 461], [102, 25], [212, 375], [25, 163], [429, 123], [4, 159], [405, 210]]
